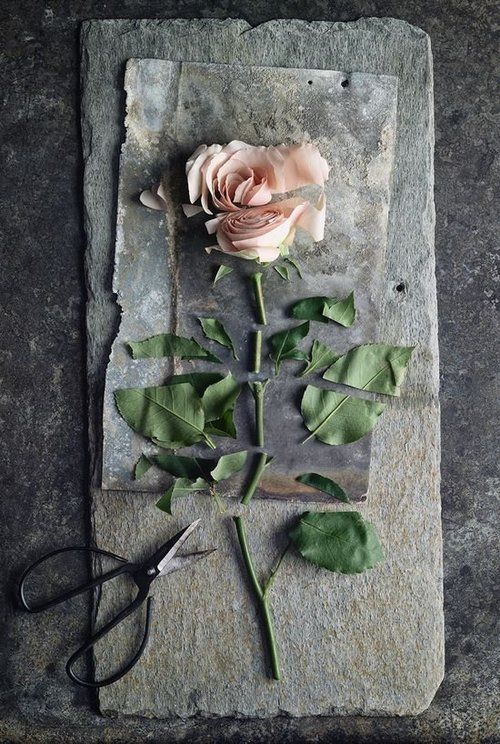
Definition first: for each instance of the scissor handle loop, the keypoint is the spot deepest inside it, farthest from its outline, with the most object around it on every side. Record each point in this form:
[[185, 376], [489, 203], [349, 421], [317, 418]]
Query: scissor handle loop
[[132, 607], [98, 581]]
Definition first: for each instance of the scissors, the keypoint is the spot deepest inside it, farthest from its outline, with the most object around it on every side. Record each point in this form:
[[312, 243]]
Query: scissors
[[163, 562]]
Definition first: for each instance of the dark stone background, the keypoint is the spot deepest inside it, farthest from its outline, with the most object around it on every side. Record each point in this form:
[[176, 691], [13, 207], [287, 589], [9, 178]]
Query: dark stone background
[[42, 393]]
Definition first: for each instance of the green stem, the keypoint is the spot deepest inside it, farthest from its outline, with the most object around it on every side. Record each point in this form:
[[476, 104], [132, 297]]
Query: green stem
[[218, 500], [275, 570], [257, 351], [259, 297], [261, 597], [258, 390], [209, 441], [254, 481]]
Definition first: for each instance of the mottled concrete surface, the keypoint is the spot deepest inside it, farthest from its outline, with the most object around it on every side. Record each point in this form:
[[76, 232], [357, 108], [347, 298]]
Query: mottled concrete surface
[[43, 434]]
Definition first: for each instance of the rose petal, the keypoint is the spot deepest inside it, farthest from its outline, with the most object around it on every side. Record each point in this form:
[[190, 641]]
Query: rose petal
[[151, 199], [194, 169], [313, 219], [191, 209]]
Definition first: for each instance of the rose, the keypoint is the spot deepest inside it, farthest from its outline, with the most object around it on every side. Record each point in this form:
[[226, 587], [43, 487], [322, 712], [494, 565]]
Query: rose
[[263, 232], [238, 174]]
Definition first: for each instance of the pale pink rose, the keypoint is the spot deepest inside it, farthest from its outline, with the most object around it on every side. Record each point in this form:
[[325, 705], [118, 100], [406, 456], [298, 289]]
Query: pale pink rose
[[240, 175], [262, 232]]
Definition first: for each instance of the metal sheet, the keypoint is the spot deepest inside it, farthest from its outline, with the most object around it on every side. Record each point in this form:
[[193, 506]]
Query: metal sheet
[[163, 278]]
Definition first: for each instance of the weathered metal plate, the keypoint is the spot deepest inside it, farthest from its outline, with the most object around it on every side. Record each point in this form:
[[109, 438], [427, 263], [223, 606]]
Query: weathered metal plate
[[163, 278]]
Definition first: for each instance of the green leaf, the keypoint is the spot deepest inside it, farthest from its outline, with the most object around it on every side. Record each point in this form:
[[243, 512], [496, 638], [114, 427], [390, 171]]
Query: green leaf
[[324, 484], [284, 344], [338, 541], [223, 426], [324, 309], [141, 467], [222, 271], [338, 419], [228, 465], [171, 414], [220, 397], [295, 265], [170, 345], [199, 380], [380, 368], [320, 356], [180, 487], [283, 271], [310, 308], [182, 466], [215, 331], [342, 311]]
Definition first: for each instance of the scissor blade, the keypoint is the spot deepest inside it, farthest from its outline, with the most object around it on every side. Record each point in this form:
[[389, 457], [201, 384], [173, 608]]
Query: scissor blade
[[183, 561], [169, 550]]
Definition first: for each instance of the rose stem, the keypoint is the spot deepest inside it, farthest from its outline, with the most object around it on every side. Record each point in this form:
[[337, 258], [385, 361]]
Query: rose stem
[[257, 351], [258, 390], [259, 297], [254, 481], [209, 441], [261, 597]]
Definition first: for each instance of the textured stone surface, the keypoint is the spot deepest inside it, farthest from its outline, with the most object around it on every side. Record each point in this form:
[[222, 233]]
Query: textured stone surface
[[163, 278], [45, 504], [383, 652]]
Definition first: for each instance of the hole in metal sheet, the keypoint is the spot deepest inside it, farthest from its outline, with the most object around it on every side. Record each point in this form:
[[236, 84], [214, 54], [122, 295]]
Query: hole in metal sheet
[[344, 83], [401, 287], [309, 82]]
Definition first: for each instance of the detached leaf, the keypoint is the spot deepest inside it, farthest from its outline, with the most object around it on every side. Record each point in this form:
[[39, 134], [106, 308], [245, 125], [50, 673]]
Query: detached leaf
[[199, 380], [283, 272], [171, 414], [284, 344], [141, 467], [220, 397], [228, 465], [215, 331], [223, 426], [295, 265], [320, 356], [338, 541], [338, 419], [324, 484], [185, 467], [170, 345], [180, 487], [324, 309], [342, 312], [380, 368], [222, 271]]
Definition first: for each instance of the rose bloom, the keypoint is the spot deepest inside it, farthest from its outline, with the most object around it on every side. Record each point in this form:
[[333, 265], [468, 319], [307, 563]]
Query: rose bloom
[[262, 233], [239, 181], [240, 175]]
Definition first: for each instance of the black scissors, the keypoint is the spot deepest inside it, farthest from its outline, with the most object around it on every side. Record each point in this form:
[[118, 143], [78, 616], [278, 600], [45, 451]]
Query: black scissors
[[163, 562]]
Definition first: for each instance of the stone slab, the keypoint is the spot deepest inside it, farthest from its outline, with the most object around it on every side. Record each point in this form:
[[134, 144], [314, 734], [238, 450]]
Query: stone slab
[[163, 277], [371, 644]]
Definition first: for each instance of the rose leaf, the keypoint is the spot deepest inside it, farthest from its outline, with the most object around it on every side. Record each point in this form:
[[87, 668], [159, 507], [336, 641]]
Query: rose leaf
[[180, 487], [215, 331], [335, 418], [171, 414], [338, 541], [170, 345], [284, 344], [380, 368], [320, 356], [324, 484]]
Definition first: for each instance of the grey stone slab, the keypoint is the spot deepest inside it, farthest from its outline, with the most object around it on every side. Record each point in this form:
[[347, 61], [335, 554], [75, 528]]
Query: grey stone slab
[[163, 277], [371, 644]]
